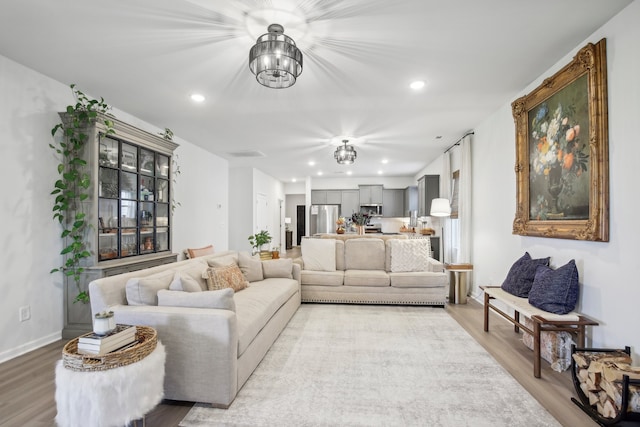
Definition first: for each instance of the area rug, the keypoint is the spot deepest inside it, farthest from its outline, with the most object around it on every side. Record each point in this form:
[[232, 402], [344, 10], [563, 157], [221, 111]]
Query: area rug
[[359, 365]]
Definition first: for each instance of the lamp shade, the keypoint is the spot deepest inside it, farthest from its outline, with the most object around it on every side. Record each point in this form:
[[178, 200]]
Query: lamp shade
[[275, 59], [440, 207], [287, 220]]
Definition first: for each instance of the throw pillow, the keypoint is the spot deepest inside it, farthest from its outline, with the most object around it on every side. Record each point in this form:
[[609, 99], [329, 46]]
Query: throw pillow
[[184, 282], [521, 274], [251, 267], [409, 255], [278, 268], [555, 291], [228, 276], [318, 254], [222, 299], [144, 290], [196, 252]]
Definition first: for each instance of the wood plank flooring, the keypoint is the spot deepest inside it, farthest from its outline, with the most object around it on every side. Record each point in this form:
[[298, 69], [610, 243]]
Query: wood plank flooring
[[27, 383]]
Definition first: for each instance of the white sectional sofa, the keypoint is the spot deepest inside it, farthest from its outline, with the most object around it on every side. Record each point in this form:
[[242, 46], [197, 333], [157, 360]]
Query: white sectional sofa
[[211, 352], [371, 271]]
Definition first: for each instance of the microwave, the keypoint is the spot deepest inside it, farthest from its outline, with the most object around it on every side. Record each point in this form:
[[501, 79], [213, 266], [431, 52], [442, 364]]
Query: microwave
[[372, 210]]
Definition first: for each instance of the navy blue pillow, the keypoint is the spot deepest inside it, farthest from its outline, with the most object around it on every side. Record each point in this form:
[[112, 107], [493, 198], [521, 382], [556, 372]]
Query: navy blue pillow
[[555, 291], [521, 275]]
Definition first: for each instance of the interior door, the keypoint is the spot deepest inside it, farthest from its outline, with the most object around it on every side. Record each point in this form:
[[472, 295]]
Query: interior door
[[301, 224]]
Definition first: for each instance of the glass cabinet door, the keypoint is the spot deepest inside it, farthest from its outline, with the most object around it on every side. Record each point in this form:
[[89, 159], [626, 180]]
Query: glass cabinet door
[[133, 200]]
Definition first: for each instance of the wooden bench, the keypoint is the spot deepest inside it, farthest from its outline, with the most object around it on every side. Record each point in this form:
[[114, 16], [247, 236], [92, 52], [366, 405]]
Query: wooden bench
[[542, 320]]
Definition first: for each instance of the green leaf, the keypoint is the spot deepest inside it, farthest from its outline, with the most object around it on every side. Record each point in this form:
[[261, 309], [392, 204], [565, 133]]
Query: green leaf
[[56, 191], [60, 184], [81, 215], [78, 224], [85, 182], [55, 270], [84, 196], [65, 233], [70, 109], [60, 168], [67, 250]]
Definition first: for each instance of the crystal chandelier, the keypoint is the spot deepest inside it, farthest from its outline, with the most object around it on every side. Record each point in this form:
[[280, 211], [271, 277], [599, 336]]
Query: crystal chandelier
[[345, 155], [275, 59]]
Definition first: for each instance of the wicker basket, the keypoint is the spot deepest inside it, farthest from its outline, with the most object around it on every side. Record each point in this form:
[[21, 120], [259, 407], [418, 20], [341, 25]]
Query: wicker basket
[[147, 340]]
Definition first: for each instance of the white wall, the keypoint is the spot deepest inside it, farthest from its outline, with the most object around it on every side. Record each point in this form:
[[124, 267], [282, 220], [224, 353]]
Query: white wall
[[245, 185], [608, 271], [29, 103]]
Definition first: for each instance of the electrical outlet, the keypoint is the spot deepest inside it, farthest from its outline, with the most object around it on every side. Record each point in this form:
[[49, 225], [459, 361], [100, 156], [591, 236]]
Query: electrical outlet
[[25, 313]]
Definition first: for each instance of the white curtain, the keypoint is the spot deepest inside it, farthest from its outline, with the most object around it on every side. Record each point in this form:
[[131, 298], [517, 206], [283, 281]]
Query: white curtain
[[464, 254], [445, 192]]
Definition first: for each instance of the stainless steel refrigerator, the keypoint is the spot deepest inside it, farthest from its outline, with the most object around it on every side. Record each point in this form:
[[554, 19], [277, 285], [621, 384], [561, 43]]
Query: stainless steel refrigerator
[[323, 218]]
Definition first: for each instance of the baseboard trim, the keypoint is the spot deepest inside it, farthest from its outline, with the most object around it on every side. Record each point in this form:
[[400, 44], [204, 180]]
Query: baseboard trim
[[30, 346]]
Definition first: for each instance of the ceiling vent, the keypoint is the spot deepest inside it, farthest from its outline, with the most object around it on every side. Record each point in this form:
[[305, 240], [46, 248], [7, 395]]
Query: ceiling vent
[[249, 153]]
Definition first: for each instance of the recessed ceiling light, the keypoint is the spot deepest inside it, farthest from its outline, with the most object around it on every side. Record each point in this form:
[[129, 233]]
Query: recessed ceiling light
[[417, 85], [312, 163], [293, 180], [349, 172], [385, 161], [197, 97], [379, 172], [319, 173]]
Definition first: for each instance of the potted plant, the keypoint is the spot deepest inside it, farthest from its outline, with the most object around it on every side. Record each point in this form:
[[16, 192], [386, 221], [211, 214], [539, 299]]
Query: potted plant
[[258, 240], [73, 185]]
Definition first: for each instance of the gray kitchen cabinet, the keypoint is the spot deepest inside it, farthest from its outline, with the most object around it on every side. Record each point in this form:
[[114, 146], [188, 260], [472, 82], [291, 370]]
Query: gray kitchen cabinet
[[393, 203], [428, 189], [370, 194], [350, 203], [326, 197], [318, 197], [334, 197], [410, 199]]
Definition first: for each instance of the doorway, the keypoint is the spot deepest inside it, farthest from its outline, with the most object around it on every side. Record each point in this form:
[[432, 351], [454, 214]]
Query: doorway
[[301, 224]]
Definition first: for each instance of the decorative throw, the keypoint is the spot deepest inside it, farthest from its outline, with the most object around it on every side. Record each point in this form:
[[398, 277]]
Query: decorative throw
[[555, 291], [521, 274], [319, 254], [409, 255], [228, 276]]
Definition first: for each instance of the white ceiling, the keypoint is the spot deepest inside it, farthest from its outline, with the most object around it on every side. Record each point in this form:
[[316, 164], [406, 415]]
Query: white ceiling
[[146, 57]]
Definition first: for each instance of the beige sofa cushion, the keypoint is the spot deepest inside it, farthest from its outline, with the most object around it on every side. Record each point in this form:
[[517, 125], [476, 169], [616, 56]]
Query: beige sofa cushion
[[257, 304], [364, 254], [340, 255], [194, 269], [144, 290], [282, 267], [366, 278], [418, 279], [322, 278], [251, 267], [222, 299], [184, 282], [319, 254]]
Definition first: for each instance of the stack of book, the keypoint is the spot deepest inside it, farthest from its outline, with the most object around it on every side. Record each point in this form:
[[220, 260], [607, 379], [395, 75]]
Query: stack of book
[[121, 337]]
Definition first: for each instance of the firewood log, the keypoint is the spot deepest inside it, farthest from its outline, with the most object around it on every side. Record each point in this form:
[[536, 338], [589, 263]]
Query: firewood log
[[594, 378], [609, 409], [583, 375], [584, 359], [615, 371]]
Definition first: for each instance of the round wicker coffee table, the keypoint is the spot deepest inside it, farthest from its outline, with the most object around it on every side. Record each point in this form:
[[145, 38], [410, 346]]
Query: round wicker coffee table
[[113, 389]]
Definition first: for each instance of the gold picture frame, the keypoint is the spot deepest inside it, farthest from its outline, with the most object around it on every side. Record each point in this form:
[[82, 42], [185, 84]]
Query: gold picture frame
[[562, 152]]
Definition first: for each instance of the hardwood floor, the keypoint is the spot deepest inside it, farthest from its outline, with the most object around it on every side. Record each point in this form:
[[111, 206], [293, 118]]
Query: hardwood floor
[[27, 382]]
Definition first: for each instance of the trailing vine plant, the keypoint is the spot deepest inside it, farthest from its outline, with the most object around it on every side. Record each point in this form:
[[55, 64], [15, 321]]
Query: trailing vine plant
[[73, 185]]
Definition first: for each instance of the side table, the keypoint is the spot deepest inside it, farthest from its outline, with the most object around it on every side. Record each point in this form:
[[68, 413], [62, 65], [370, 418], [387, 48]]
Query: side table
[[103, 392], [458, 282]]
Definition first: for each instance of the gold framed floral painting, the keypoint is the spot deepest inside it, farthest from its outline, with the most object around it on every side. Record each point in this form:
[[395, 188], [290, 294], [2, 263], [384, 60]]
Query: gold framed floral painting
[[562, 152]]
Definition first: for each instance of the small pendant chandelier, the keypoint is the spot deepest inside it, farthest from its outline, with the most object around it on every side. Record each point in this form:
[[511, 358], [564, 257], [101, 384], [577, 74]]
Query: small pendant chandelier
[[275, 59], [345, 155]]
